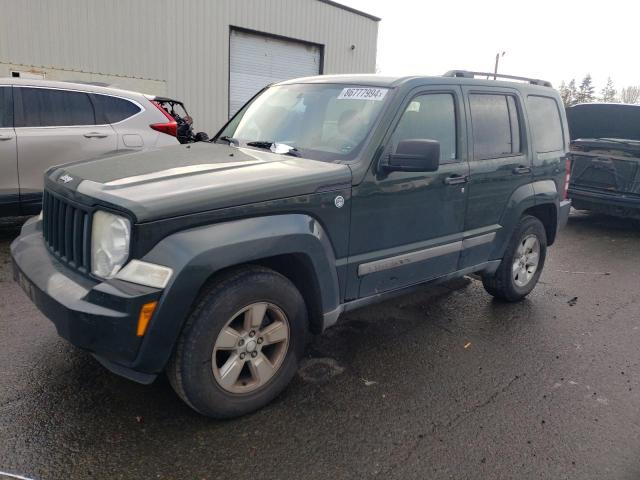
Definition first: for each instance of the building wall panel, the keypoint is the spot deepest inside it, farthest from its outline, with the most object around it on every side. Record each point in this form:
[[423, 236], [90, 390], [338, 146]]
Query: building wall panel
[[178, 48]]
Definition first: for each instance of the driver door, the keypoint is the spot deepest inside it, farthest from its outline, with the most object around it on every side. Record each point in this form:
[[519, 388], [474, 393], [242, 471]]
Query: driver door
[[407, 227]]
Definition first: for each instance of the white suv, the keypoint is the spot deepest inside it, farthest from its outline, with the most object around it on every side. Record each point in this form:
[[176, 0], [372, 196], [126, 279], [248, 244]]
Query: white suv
[[46, 123]]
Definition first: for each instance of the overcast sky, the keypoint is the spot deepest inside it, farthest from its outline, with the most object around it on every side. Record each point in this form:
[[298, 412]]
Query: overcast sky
[[553, 40]]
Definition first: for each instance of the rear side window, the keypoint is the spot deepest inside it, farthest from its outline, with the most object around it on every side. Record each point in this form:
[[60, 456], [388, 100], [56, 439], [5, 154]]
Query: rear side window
[[545, 123], [113, 109], [43, 107], [6, 108], [430, 117], [496, 126]]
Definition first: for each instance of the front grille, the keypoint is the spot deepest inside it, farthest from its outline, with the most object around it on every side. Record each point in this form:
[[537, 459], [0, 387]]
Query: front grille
[[67, 231]]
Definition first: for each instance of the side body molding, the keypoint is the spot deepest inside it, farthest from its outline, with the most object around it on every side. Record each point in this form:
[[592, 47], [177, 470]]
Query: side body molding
[[198, 253]]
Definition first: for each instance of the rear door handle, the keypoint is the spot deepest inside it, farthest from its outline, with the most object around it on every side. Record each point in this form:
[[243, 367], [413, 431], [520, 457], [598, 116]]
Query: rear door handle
[[521, 170], [456, 179], [95, 135]]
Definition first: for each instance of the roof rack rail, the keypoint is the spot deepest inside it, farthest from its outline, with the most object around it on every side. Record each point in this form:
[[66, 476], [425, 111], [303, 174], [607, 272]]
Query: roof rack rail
[[468, 74]]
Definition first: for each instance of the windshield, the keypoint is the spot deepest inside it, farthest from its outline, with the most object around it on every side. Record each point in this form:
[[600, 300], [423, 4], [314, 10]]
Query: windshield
[[320, 121]]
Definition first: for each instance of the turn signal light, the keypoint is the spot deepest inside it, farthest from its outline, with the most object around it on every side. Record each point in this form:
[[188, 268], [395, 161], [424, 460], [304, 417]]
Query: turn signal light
[[146, 312], [567, 179]]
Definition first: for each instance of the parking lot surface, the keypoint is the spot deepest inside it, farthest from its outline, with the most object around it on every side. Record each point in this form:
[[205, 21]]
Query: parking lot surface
[[444, 383]]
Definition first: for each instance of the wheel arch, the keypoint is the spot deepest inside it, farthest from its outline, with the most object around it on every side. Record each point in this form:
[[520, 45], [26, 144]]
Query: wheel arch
[[538, 199], [294, 245], [547, 213]]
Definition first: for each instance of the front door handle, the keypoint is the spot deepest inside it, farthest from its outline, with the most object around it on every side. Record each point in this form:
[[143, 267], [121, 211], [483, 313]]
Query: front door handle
[[95, 135], [521, 170], [4, 138], [456, 179]]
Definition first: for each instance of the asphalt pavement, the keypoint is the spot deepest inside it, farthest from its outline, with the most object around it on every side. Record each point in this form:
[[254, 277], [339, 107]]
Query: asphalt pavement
[[444, 383]]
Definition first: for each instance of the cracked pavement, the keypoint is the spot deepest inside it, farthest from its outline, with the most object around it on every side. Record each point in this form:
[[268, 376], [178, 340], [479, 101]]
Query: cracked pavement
[[443, 383]]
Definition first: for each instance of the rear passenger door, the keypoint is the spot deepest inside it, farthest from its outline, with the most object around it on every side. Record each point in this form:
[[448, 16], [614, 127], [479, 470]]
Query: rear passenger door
[[9, 189], [54, 127], [499, 163]]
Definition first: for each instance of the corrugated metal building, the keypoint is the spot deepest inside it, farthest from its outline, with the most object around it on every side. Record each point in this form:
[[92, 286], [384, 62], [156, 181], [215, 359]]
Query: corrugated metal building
[[212, 54]]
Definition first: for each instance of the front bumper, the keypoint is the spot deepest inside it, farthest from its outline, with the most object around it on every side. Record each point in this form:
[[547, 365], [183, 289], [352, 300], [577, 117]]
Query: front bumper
[[100, 317]]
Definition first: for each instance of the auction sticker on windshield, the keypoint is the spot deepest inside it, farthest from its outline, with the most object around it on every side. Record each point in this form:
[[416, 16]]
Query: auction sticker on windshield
[[351, 93]]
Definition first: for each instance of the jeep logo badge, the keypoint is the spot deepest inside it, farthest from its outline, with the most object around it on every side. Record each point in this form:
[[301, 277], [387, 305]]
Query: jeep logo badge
[[339, 201], [66, 178]]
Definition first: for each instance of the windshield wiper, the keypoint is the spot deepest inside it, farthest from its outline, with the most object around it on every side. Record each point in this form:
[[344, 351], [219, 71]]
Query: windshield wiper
[[275, 147], [620, 140], [609, 140], [260, 144], [229, 140]]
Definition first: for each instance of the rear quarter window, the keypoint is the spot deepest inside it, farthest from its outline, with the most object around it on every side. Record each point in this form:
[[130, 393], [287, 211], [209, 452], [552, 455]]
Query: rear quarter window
[[546, 124], [44, 107], [6, 108], [113, 109]]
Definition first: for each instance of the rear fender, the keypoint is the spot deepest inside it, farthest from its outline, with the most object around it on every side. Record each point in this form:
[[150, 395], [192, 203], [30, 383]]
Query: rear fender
[[543, 192], [521, 199]]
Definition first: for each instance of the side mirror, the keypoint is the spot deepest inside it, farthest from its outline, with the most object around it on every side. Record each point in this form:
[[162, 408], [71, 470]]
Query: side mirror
[[414, 156]]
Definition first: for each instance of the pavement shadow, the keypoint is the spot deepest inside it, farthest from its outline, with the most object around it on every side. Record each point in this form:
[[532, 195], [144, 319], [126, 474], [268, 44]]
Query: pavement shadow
[[10, 227], [587, 222]]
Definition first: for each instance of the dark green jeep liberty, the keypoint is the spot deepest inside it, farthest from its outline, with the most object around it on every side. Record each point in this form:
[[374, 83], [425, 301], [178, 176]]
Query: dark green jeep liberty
[[214, 261]]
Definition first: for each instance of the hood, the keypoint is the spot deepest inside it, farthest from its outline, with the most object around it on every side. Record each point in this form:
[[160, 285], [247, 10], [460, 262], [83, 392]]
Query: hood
[[184, 179], [604, 120]]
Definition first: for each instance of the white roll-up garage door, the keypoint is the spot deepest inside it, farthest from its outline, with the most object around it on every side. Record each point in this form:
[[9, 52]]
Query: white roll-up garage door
[[258, 60]]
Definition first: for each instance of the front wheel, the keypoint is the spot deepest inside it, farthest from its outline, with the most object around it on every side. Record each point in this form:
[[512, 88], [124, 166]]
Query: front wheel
[[521, 264], [241, 344]]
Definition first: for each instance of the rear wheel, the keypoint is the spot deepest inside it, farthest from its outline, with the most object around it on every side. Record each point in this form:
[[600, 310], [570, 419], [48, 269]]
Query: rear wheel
[[521, 264], [240, 346]]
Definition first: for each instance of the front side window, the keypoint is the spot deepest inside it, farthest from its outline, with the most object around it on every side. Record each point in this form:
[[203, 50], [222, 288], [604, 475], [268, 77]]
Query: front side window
[[6, 108], [113, 109], [496, 126], [43, 107], [545, 123], [430, 117], [321, 121]]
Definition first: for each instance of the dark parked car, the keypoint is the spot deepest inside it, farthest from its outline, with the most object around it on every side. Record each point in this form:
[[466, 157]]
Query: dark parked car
[[605, 153], [213, 261]]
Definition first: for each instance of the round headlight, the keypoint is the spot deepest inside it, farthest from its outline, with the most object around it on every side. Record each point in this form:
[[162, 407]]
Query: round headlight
[[110, 235]]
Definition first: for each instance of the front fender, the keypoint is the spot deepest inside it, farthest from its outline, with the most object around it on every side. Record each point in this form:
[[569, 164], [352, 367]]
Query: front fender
[[196, 254]]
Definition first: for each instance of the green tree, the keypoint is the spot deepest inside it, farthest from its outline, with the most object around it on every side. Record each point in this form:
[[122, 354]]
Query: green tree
[[568, 93], [586, 92], [609, 93]]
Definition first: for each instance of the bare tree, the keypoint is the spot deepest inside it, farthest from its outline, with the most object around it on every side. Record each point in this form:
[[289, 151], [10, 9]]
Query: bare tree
[[630, 94]]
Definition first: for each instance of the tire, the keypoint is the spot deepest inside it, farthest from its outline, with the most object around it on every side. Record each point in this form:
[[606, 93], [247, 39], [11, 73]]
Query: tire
[[208, 353], [507, 284]]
